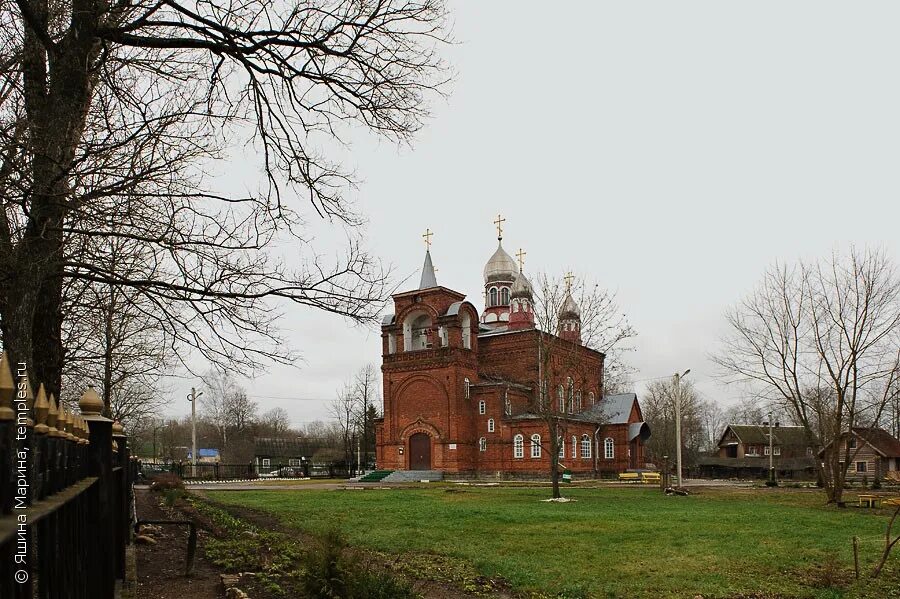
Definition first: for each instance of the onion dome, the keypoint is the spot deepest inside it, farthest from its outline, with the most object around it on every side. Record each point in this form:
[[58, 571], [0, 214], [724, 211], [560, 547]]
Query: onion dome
[[521, 288], [501, 267], [569, 309]]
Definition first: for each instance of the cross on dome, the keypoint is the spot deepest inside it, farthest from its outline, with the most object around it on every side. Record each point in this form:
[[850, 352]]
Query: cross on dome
[[569, 278], [499, 222], [521, 256]]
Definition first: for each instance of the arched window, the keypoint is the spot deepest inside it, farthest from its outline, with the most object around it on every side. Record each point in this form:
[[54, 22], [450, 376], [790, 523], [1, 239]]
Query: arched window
[[490, 425], [571, 394], [482, 444], [416, 328], [609, 448], [504, 296], [467, 387], [507, 404], [578, 405], [562, 448], [591, 398], [561, 396], [493, 297], [574, 446], [466, 331], [518, 446], [535, 446], [482, 407], [585, 446]]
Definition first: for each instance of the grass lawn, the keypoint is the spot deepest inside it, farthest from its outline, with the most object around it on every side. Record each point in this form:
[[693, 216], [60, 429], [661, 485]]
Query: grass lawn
[[611, 542]]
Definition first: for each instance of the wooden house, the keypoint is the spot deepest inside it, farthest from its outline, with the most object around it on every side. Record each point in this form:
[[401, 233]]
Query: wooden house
[[874, 454], [743, 452]]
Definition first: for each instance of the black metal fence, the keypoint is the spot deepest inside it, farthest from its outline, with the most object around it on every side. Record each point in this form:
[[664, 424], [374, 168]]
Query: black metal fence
[[65, 493], [214, 471]]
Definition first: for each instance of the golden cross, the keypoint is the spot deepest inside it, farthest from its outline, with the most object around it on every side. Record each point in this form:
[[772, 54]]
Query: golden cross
[[427, 237], [499, 222], [569, 278], [521, 256]]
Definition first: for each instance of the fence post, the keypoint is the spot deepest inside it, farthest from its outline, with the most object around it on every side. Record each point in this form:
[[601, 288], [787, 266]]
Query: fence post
[[122, 488], [102, 516], [7, 483]]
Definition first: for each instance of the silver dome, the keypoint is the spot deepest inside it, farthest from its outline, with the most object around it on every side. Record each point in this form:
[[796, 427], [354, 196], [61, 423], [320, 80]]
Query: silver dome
[[521, 287], [501, 267], [569, 309]]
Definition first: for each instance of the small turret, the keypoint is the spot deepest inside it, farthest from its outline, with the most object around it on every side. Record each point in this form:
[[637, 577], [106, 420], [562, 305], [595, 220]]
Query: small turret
[[569, 316], [521, 310]]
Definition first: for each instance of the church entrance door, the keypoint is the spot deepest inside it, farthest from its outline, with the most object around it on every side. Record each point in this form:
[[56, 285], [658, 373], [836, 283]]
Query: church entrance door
[[420, 452]]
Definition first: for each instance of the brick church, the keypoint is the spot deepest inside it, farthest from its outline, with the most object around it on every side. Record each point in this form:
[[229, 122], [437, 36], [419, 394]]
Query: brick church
[[462, 390]]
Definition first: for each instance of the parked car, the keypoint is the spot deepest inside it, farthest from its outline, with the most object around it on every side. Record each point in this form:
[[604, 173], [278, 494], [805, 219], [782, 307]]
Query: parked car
[[286, 472]]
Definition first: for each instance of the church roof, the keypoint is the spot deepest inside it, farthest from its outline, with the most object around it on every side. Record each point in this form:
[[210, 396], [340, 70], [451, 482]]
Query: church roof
[[521, 287], [500, 267], [614, 409], [569, 308], [428, 279]]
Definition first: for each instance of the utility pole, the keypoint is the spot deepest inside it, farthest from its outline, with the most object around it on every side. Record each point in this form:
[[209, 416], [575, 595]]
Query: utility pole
[[771, 454], [193, 399], [358, 467], [678, 378]]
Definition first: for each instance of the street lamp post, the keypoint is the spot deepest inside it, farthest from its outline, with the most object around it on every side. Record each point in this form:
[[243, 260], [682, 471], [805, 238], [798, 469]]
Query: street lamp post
[[678, 378], [193, 399]]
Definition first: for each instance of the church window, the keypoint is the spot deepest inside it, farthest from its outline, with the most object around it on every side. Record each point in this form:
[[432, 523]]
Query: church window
[[507, 404], [481, 407], [482, 444], [504, 296], [562, 447], [609, 448], [585, 446], [490, 425], [591, 398], [535, 446], [561, 395], [574, 446], [392, 343], [519, 446], [578, 405], [416, 331], [442, 334], [571, 394], [493, 297], [466, 331], [467, 387]]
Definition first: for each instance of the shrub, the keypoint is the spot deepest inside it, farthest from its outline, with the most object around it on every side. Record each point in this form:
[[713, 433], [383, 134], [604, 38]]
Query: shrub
[[865, 481], [172, 495], [326, 571]]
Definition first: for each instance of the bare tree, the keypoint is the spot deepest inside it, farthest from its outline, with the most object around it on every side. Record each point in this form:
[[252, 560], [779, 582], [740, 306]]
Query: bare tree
[[110, 345], [658, 407], [821, 339], [345, 409], [96, 99], [366, 389], [603, 328]]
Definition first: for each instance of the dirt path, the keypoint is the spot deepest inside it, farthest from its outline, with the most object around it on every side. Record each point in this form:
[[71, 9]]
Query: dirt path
[[160, 567]]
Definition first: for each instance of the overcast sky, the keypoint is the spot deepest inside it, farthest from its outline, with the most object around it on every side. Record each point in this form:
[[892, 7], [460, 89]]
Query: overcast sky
[[670, 151]]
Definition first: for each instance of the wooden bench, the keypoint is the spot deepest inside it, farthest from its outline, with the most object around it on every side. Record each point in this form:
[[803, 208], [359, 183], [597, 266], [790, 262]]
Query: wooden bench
[[868, 500], [630, 477], [650, 477]]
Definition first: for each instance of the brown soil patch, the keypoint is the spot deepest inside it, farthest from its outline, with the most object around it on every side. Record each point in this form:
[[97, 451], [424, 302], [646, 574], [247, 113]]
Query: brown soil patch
[[160, 567]]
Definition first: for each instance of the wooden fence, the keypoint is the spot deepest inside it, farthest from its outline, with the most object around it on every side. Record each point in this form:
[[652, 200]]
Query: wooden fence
[[65, 494]]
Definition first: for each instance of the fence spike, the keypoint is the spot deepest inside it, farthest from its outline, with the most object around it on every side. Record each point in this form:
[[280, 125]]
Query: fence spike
[[41, 408], [7, 389], [90, 403], [29, 402], [52, 417]]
